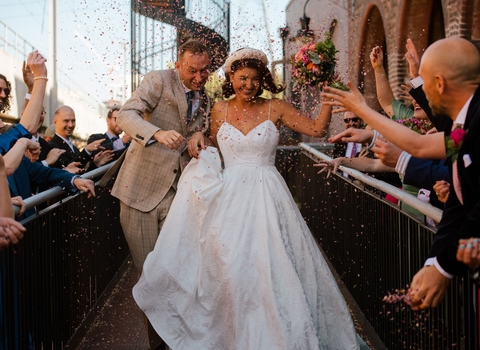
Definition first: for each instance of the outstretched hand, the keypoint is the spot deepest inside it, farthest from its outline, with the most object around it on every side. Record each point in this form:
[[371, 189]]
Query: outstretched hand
[[28, 77], [329, 166], [413, 59], [376, 57], [387, 152], [87, 186], [352, 101], [36, 62], [353, 135]]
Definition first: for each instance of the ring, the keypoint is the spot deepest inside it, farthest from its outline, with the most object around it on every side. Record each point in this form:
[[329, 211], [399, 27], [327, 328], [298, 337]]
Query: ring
[[376, 155], [436, 193]]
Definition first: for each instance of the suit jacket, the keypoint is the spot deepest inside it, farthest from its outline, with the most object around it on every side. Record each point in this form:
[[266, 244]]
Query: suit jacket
[[424, 173], [8, 138], [68, 156], [442, 123], [108, 144], [462, 221], [150, 168], [28, 172], [45, 149]]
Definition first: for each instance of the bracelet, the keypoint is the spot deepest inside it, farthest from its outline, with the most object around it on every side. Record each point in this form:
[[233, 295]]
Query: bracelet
[[45, 78]]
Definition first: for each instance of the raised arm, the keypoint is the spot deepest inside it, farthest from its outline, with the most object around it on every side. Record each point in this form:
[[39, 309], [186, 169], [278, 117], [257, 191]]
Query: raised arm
[[31, 118], [384, 91], [420, 146], [293, 119]]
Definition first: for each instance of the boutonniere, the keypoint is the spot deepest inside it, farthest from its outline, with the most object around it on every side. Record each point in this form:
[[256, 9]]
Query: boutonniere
[[454, 142]]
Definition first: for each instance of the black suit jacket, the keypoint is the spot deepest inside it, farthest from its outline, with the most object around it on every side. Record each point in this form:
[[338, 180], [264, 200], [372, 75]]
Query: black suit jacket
[[424, 173], [68, 156], [45, 149], [462, 221], [442, 123], [108, 144]]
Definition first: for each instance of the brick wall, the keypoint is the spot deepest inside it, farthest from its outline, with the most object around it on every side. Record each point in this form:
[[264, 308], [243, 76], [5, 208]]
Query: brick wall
[[390, 23]]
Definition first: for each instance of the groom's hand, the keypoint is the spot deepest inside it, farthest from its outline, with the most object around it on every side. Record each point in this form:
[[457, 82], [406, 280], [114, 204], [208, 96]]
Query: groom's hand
[[428, 288], [196, 144], [170, 138]]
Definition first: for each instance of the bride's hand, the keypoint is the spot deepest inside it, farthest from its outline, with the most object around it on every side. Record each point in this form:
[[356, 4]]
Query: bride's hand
[[329, 166], [196, 144]]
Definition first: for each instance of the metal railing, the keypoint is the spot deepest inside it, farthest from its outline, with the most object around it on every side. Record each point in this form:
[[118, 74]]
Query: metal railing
[[376, 249], [52, 280]]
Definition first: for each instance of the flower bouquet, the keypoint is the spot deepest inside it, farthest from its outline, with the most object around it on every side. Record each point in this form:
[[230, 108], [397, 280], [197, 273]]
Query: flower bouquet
[[417, 125], [314, 63]]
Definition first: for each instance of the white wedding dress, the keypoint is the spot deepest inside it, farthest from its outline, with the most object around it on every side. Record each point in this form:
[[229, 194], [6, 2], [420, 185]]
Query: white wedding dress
[[235, 266]]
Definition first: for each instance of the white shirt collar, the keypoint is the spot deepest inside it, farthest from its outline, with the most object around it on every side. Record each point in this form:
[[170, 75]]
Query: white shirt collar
[[69, 141], [462, 115]]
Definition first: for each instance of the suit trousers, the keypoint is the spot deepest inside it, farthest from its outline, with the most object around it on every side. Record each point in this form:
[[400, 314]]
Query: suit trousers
[[141, 229], [141, 232]]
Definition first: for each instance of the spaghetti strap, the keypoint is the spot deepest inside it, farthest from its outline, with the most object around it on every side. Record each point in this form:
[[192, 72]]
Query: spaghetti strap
[[226, 113], [270, 109]]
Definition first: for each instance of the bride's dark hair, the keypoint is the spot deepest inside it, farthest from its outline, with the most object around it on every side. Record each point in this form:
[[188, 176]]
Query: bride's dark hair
[[267, 79]]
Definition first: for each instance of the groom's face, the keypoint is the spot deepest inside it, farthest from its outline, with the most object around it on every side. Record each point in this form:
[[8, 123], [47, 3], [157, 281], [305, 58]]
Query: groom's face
[[193, 69]]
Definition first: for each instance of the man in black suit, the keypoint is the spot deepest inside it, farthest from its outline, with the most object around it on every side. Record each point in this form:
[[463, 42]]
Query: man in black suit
[[113, 143], [64, 121], [450, 69]]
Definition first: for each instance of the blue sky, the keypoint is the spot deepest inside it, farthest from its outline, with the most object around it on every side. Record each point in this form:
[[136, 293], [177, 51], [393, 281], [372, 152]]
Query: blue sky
[[91, 33]]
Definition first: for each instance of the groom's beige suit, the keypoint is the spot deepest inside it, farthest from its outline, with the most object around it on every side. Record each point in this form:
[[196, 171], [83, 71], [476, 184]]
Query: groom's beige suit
[[147, 180]]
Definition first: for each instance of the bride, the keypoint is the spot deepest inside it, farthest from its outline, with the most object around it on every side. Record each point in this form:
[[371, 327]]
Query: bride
[[235, 265]]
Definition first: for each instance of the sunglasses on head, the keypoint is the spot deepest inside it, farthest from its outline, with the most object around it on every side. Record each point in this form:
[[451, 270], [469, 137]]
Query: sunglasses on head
[[6, 90], [348, 120]]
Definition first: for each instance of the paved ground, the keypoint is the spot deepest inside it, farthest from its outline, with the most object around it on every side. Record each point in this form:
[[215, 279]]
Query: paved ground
[[119, 324]]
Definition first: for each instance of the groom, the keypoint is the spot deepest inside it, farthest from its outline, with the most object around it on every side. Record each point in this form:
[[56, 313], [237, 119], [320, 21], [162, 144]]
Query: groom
[[168, 109]]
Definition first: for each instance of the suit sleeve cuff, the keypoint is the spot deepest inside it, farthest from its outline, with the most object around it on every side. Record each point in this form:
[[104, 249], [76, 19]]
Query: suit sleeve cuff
[[442, 271], [402, 163]]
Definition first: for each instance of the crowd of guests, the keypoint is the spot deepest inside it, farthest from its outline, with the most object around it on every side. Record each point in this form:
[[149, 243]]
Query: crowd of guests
[[443, 159], [30, 163]]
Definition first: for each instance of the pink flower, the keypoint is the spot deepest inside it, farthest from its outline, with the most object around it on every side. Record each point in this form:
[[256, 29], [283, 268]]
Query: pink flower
[[299, 56], [457, 136]]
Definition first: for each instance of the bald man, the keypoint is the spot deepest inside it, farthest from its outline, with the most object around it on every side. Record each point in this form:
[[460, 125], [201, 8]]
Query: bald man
[[451, 85], [65, 122]]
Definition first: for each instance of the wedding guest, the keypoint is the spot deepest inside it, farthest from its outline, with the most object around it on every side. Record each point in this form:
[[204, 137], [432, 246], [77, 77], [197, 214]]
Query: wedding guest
[[451, 87], [10, 230], [72, 159], [113, 143], [47, 155], [29, 121], [350, 149]]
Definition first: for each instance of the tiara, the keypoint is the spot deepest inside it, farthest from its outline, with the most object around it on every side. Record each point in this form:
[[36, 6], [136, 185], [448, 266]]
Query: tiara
[[242, 54]]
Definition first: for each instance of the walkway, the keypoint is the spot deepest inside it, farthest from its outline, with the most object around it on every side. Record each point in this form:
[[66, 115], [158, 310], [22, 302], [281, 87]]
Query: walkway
[[119, 323]]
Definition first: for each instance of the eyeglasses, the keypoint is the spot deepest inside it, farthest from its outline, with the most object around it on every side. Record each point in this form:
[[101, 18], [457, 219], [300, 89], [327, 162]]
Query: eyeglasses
[[5, 90], [348, 120]]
